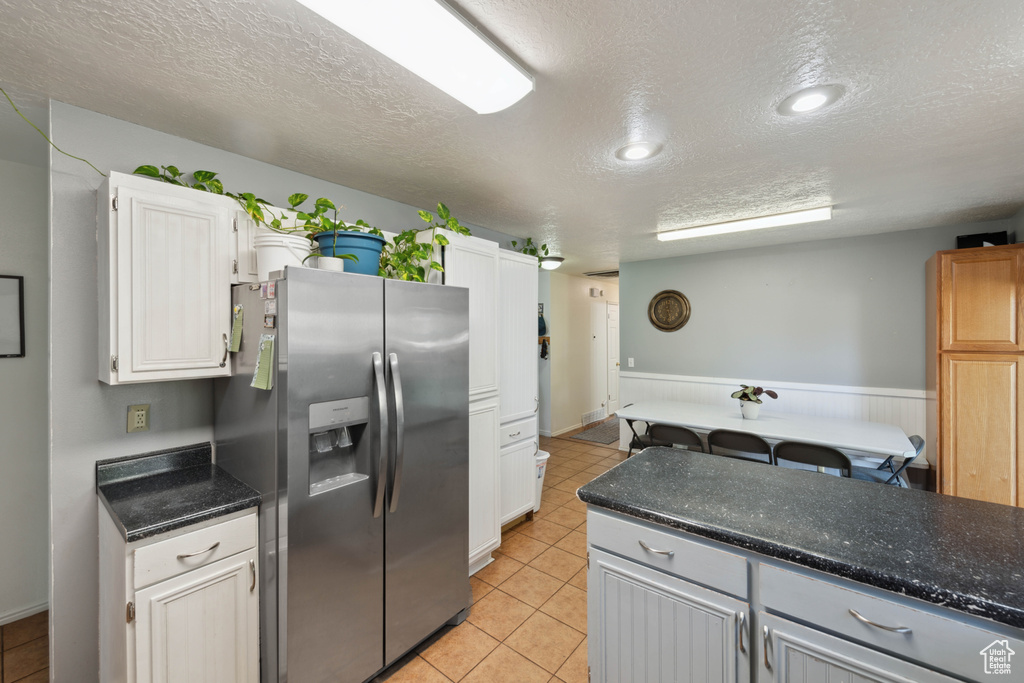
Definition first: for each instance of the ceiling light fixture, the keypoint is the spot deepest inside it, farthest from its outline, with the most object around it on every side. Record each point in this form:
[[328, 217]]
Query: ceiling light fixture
[[465, 64], [810, 99], [792, 218], [550, 262], [636, 151]]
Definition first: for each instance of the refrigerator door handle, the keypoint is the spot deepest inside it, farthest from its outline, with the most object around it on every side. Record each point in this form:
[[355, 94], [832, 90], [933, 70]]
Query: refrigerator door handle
[[396, 382], [382, 403]]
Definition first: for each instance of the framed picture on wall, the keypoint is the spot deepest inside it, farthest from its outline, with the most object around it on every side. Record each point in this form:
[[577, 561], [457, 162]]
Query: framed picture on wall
[[12, 316]]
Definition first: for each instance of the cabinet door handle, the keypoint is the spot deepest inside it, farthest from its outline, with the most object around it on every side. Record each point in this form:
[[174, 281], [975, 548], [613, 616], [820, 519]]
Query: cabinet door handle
[[252, 568], [224, 360], [741, 623], [895, 629], [666, 553], [536, 406], [767, 645], [199, 552]]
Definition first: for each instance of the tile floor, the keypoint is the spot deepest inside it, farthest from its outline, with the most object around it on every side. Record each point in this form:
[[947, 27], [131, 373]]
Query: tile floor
[[25, 650], [529, 616]]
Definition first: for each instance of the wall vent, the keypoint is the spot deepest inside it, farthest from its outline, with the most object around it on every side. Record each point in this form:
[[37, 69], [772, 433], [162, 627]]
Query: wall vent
[[593, 416], [602, 273]]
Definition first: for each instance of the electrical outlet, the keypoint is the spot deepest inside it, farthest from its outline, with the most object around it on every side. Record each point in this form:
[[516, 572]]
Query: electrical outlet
[[138, 418], [630, 362]]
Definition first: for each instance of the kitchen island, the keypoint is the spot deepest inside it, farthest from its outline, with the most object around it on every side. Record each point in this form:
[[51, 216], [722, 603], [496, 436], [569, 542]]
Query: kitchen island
[[705, 568]]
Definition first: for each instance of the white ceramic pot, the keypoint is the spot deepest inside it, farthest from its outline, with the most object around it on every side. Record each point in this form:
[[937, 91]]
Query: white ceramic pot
[[749, 409], [330, 263]]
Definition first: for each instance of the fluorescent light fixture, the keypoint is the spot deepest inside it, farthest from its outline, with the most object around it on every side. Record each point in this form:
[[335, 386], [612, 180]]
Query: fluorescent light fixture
[[550, 262], [792, 218], [429, 39], [635, 151], [810, 99]]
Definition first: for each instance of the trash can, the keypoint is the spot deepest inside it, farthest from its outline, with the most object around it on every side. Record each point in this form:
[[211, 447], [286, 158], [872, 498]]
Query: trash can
[[542, 466]]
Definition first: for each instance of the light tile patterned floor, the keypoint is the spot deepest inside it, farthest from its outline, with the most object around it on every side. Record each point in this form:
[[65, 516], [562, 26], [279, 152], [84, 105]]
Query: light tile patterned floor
[[529, 616]]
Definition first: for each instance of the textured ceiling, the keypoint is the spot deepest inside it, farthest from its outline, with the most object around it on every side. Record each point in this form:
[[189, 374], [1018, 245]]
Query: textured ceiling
[[930, 131]]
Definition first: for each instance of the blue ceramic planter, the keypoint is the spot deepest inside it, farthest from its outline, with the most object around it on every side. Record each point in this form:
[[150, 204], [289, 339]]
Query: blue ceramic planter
[[363, 245]]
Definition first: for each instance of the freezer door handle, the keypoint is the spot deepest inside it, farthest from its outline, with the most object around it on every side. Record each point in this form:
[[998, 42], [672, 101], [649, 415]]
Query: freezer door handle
[[396, 382], [382, 406]]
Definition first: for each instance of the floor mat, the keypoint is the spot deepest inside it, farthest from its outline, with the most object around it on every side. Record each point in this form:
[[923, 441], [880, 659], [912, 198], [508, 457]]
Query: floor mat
[[606, 432]]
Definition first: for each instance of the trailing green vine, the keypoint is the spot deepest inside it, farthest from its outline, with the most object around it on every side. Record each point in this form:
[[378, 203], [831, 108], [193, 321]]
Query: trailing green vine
[[46, 137], [405, 256]]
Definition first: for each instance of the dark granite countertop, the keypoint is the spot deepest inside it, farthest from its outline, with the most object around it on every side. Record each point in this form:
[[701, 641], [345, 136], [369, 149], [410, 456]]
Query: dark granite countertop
[[958, 553], [152, 493]]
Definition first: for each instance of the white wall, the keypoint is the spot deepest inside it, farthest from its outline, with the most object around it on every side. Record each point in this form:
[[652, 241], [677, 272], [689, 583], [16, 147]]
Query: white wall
[[24, 530], [544, 364], [87, 417], [569, 327]]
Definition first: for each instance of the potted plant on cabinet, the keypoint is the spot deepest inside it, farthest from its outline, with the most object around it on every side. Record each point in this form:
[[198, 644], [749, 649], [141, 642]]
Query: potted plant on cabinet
[[359, 243], [750, 400]]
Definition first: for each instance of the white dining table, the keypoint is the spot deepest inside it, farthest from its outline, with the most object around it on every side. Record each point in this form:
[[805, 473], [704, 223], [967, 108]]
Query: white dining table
[[873, 438]]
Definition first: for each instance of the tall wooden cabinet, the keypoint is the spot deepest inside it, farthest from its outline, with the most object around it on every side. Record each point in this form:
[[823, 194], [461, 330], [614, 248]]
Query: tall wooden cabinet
[[976, 346]]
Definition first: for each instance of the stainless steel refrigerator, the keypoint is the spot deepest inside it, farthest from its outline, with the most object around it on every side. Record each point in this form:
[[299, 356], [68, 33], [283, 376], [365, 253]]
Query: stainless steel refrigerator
[[360, 450]]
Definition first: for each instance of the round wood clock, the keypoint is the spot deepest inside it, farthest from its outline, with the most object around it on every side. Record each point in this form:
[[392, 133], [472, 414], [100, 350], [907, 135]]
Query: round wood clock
[[669, 310]]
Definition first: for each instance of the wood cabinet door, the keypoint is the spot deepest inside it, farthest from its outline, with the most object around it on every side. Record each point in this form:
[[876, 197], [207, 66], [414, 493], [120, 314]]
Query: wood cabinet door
[[173, 286], [517, 332], [791, 653], [981, 300], [644, 625], [201, 626], [980, 449]]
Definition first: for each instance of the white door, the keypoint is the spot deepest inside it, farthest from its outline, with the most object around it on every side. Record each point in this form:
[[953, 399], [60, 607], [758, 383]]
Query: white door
[[201, 626], [613, 358], [645, 625], [517, 332], [598, 357], [484, 492]]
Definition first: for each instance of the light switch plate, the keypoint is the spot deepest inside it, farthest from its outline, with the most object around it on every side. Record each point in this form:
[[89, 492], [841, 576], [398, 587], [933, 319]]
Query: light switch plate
[[138, 418], [630, 362]]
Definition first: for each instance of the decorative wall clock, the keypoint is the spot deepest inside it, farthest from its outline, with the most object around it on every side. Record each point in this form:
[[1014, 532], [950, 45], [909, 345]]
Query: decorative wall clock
[[669, 310]]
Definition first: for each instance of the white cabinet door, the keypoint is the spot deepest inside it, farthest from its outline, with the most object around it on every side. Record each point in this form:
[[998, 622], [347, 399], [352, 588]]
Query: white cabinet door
[[484, 524], [473, 263], [243, 250], [201, 626], [796, 654], [165, 284], [517, 332], [518, 479], [647, 626]]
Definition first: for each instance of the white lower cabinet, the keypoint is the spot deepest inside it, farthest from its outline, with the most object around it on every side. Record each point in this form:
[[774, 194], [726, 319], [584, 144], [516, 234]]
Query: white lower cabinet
[[484, 496], [182, 607], [518, 479], [645, 625], [792, 653]]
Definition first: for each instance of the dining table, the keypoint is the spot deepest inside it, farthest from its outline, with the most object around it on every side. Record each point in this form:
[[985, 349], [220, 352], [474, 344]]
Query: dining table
[[867, 438]]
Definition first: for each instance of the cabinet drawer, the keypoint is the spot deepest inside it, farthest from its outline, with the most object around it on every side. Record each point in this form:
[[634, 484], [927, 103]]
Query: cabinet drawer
[[669, 552], [193, 549], [939, 639], [518, 431]]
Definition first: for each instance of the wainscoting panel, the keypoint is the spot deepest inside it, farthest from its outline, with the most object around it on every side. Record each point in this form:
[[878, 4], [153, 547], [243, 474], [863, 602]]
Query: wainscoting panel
[[905, 408]]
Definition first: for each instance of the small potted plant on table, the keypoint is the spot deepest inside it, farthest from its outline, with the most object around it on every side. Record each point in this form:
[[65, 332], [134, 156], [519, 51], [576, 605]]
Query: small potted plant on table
[[750, 400]]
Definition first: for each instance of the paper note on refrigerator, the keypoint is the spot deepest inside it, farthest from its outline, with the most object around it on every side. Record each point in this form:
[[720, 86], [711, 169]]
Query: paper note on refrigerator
[[236, 330], [263, 376]]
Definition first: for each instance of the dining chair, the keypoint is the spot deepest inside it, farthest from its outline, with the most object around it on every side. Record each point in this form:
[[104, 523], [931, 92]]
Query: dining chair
[[887, 473], [640, 441], [676, 436], [813, 454], [740, 445]]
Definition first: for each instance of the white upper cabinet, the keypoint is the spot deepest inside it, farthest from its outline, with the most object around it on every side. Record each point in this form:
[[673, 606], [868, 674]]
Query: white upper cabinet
[[517, 334], [165, 273]]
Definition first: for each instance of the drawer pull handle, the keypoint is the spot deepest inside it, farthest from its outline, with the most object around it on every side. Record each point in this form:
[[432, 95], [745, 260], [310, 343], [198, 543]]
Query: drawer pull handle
[[767, 645], [894, 629], [666, 553], [512, 436], [741, 623], [252, 568], [199, 552]]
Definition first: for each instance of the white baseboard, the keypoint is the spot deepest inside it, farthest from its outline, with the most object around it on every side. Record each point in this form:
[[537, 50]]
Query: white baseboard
[[905, 408], [567, 429], [17, 615]]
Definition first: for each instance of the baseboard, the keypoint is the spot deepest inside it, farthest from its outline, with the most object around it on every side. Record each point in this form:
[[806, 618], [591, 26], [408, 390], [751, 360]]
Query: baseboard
[[17, 615], [567, 430]]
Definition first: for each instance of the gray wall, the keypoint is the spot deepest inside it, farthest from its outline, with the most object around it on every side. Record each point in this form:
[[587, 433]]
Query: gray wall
[[844, 311], [87, 417], [24, 530]]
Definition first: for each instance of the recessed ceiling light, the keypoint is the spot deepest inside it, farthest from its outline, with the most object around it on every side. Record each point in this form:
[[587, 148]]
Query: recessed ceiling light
[[792, 218], [810, 99], [635, 151], [464, 64]]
